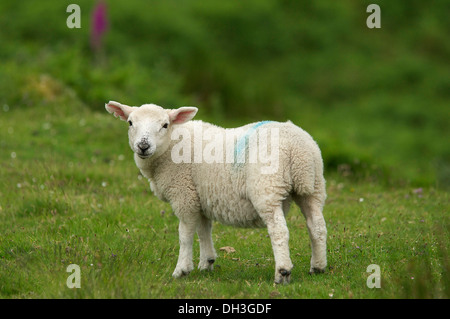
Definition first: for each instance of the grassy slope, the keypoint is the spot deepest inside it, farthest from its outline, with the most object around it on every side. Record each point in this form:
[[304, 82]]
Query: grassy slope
[[373, 98]]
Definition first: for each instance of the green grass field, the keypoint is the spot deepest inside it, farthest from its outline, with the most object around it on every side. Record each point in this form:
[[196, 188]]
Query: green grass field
[[376, 102], [71, 194]]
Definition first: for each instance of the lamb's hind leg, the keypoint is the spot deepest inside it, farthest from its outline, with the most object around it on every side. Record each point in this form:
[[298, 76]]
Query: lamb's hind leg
[[311, 207], [207, 252]]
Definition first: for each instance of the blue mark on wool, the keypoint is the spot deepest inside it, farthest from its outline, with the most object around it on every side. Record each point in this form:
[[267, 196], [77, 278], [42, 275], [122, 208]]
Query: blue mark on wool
[[242, 143]]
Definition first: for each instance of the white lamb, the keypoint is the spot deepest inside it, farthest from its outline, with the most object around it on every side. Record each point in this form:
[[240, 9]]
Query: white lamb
[[227, 184]]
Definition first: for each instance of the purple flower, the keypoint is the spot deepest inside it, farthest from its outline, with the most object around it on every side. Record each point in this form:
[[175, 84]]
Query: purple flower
[[99, 24]]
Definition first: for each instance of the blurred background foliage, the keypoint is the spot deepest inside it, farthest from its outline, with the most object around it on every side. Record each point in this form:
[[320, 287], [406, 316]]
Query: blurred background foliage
[[376, 100]]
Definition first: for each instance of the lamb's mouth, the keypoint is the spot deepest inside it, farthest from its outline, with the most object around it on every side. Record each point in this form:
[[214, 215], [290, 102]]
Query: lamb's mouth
[[143, 156]]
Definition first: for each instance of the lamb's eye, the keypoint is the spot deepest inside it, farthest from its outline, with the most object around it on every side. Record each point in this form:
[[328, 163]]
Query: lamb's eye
[[131, 123], [166, 125]]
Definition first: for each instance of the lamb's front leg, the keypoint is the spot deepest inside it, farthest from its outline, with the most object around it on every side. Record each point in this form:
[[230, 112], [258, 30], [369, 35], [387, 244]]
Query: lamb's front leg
[[186, 231], [207, 252]]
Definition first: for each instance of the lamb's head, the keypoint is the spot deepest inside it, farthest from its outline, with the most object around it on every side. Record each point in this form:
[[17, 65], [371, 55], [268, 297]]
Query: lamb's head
[[150, 125]]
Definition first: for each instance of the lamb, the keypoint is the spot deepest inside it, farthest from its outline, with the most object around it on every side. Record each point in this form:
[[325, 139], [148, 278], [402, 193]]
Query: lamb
[[229, 180]]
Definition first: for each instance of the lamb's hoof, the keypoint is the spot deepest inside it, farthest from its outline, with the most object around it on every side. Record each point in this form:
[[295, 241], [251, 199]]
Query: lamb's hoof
[[283, 276], [207, 265], [178, 273], [314, 270]]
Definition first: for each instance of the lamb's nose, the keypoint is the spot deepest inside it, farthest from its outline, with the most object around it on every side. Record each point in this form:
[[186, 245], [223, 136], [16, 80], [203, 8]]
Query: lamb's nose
[[143, 146]]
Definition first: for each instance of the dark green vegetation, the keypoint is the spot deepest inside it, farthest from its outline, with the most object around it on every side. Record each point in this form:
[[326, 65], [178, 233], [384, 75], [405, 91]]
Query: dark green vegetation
[[376, 101]]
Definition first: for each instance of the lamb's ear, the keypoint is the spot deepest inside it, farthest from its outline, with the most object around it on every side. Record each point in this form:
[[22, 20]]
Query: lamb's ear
[[182, 115], [119, 110]]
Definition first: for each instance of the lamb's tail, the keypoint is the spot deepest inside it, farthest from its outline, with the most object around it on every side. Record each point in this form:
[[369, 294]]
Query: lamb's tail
[[303, 174], [308, 182], [307, 170]]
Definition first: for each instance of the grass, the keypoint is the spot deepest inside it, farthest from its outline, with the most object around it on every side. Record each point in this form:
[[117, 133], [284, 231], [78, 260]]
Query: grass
[[376, 101], [72, 194]]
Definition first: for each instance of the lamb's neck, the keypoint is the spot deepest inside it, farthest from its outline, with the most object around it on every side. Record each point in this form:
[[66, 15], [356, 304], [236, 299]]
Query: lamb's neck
[[150, 167]]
